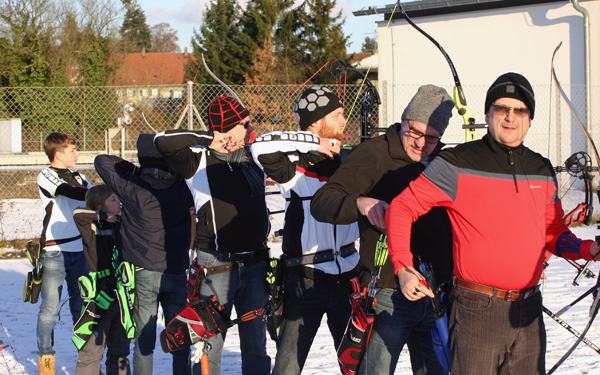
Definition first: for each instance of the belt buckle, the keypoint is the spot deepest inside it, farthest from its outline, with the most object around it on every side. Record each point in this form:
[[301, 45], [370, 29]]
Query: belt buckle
[[509, 294]]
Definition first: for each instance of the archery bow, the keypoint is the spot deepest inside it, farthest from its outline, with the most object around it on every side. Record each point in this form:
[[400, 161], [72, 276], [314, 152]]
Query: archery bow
[[459, 96], [369, 103], [596, 304], [221, 82], [579, 165]]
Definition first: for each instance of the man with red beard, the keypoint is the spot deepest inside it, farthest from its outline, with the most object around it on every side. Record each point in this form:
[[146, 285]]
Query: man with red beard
[[320, 257]]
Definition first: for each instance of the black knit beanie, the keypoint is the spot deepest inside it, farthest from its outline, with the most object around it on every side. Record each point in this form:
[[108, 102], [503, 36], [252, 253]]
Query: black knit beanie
[[224, 113], [511, 85], [314, 104]]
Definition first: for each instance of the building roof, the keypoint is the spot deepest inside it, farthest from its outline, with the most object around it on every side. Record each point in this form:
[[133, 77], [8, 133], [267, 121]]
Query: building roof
[[437, 7], [151, 68], [370, 62], [356, 57]]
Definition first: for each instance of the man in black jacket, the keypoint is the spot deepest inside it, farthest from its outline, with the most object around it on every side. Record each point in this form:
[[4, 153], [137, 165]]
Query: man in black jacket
[[233, 225], [361, 189], [156, 236]]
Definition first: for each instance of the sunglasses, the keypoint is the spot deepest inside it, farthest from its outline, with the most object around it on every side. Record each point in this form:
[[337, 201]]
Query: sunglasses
[[415, 134], [504, 111], [246, 124]]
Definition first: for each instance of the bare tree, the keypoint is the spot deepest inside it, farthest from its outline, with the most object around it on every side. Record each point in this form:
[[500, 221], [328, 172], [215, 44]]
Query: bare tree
[[164, 38]]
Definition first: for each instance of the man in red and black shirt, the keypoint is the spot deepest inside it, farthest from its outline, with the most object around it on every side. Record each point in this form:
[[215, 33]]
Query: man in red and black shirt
[[502, 203]]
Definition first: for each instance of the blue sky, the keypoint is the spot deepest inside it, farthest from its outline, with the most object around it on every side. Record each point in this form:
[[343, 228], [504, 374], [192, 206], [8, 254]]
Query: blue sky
[[186, 15]]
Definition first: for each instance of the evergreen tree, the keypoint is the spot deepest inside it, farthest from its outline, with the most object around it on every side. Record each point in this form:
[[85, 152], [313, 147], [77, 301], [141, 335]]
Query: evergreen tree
[[293, 63], [258, 24], [135, 32], [26, 44], [323, 34], [222, 43], [94, 64], [369, 45]]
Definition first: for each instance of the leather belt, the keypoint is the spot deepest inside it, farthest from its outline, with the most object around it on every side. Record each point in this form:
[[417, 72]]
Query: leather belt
[[240, 260], [238, 257], [509, 295], [320, 256]]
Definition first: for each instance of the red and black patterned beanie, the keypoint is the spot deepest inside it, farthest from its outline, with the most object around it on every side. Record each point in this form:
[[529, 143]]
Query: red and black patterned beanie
[[225, 113]]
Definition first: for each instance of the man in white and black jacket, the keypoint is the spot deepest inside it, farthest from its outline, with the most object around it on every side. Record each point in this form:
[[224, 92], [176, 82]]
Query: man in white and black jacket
[[233, 224], [320, 257]]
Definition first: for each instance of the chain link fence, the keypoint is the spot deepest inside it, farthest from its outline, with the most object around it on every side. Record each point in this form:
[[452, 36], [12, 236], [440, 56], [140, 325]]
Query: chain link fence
[[109, 120]]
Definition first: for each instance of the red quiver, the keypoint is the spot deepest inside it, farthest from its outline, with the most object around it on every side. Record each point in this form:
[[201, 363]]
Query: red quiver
[[356, 338], [199, 320]]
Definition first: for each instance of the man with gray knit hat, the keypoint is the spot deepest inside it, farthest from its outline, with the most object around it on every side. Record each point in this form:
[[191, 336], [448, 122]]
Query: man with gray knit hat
[[320, 258], [361, 190], [501, 200]]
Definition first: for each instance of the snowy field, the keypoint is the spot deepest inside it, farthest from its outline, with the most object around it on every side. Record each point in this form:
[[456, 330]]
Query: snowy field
[[18, 325]]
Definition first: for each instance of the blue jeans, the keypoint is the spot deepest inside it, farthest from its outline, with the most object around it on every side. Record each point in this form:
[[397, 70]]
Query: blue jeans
[[244, 289], [399, 321], [153, 288], [58, 267], [305, 302], [489, 335]]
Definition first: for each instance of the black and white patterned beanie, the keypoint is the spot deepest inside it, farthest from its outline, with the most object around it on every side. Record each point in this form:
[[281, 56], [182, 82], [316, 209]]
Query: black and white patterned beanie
[[314, 104]]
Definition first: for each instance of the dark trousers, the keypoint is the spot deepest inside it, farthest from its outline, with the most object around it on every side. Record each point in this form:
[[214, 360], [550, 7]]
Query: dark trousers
[[111, 334], [489, 335], [305, 302], [400, 322]]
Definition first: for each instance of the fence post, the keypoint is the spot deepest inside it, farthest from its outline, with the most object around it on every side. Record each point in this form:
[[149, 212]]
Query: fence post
[[190, 105]]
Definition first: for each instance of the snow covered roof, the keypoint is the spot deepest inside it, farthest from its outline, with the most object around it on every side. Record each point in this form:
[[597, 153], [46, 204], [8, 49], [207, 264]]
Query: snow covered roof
[[371, 62]]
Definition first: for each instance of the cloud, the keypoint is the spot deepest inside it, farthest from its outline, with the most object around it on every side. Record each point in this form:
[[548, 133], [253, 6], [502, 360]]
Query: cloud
[[190, 13]]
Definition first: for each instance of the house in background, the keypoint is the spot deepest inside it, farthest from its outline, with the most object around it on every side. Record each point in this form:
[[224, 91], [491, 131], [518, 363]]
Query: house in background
[[484, 39], [366, 62], [151, 68]]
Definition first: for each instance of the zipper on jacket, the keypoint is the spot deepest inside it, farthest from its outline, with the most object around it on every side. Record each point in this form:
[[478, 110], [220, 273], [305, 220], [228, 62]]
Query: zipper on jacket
[[512, 163], [336, 252]]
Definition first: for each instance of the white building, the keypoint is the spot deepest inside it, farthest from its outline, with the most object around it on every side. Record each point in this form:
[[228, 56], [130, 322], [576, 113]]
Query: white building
[[484, 39]]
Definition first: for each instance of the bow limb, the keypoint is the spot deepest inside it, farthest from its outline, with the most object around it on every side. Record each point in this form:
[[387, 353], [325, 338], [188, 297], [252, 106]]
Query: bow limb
[[570, 105], [596, 304], [459, 96], [221, 82]]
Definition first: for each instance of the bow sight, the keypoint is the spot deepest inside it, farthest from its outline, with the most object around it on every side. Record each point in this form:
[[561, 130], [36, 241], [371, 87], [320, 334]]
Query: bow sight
[[338, 70]]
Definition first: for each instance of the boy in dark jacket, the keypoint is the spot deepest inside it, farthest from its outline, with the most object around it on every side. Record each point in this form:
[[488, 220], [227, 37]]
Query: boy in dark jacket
[[99, 226], [156, 237]]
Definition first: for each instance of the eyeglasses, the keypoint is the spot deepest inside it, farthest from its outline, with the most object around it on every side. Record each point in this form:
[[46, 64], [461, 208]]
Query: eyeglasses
[[415, 134], [246, 124], [503, 111]]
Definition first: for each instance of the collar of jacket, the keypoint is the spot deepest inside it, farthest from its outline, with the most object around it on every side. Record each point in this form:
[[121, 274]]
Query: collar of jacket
[[500, 148], [396, 149]]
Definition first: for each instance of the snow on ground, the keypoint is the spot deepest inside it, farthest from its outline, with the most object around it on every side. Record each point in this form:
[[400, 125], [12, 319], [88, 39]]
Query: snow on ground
[[18, 325]]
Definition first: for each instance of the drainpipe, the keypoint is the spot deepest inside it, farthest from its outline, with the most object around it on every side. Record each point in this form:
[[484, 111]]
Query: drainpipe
[[587, 64]]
